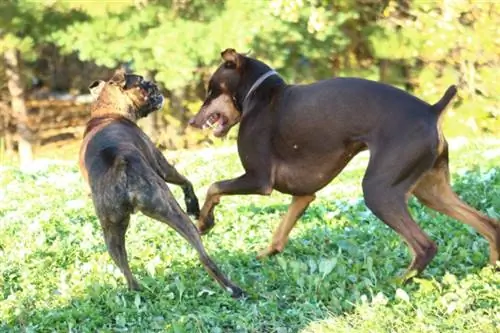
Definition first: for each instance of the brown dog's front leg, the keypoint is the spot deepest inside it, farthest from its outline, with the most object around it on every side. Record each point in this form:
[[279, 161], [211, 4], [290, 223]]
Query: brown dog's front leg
[[246, 184], [280, 236]]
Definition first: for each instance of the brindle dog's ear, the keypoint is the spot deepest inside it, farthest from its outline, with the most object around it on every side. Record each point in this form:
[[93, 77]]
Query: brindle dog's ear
[[118, 76], [96, 88], [232, 58]]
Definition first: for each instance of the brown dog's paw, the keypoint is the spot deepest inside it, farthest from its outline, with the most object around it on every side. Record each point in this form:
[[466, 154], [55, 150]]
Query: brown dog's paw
[[269, 252], [204, 226], [203, 230]]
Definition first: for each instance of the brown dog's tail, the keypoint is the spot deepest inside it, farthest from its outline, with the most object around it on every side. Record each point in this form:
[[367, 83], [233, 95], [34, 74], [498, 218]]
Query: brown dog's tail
[[444, 102]]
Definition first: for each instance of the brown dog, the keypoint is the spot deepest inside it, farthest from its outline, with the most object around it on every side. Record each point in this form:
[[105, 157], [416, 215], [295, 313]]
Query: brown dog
[[297, 138], [126, 172]]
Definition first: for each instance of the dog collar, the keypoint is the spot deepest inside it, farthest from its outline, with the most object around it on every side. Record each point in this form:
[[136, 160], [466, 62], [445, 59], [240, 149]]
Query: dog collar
[[258, 82]]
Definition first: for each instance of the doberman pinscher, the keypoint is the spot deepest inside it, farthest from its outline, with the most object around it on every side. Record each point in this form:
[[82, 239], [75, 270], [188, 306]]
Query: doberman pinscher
[[297, 138], [126, 172]]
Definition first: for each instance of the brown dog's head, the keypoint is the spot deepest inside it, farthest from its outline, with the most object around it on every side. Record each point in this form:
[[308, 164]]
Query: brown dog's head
[[220, 110], [128, 95]]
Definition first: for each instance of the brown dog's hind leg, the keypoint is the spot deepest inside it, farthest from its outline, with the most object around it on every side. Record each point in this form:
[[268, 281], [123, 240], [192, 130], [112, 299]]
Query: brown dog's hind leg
[[390, 175], [280, 237], [392, 209], [114, 235], [434, 191], [161, 206]]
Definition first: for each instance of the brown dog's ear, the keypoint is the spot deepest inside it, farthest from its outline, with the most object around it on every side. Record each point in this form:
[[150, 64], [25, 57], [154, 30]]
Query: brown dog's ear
[[96, 88], [232, 58]]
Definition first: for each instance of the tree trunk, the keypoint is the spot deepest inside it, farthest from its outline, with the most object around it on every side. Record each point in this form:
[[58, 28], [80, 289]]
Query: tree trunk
[[383, 70], [407, 79], [16, 90], [6, 132]]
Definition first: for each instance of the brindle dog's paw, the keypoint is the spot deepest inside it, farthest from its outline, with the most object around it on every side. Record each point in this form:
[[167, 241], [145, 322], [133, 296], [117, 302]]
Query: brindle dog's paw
[[192, 207]]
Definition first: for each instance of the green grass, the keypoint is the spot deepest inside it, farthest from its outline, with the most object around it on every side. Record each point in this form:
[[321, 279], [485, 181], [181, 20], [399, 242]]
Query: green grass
[[336, 275]]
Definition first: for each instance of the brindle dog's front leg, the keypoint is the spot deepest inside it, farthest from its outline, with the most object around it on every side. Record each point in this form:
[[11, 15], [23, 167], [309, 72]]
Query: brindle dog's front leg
[[169, 174], [245, 184]]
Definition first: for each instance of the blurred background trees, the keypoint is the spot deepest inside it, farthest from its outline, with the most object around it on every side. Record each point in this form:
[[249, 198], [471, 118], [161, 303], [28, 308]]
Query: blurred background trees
[[422, 47]]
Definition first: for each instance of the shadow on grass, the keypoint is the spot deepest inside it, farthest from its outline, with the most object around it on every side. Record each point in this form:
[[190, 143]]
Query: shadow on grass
[[337, 253]]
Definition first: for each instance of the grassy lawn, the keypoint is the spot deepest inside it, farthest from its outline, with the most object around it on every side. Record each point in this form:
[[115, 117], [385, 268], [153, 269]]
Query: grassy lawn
[[336, 275]]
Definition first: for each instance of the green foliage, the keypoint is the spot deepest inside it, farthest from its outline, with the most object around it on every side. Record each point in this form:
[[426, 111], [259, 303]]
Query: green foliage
[[336, 275], [448, 42], [26, 24], [428, 45], [174, 39], [420, 46], [178, 39]]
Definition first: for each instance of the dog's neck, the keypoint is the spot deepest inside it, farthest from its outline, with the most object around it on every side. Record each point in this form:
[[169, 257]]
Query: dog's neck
[[261, 79], [121, 105], [258, 82], [104, 119]]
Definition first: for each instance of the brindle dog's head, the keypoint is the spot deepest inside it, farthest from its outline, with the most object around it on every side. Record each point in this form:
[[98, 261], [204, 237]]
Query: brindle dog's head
[[220, 110], [128, 95]]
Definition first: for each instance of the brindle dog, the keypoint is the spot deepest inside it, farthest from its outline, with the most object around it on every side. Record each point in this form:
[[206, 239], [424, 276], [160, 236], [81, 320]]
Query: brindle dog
[[127, 173], [297, 138]]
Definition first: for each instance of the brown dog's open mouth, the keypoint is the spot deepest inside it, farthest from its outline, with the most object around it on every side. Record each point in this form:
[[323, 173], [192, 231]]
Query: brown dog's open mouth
[[217, 122]]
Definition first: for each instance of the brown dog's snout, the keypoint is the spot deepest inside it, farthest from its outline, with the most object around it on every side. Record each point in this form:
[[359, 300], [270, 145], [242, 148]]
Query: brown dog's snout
[[192, 122], [197, 120]]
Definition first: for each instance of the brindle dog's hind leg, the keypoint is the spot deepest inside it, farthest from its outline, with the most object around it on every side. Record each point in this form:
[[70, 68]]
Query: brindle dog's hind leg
[[114, 235], [158, 203]]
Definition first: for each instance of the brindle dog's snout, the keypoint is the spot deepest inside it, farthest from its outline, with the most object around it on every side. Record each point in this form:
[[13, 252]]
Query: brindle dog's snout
[[150, 87]]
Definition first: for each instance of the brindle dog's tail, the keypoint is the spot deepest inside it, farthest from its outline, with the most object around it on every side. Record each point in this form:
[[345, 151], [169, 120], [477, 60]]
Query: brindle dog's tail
[[444, 102]]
